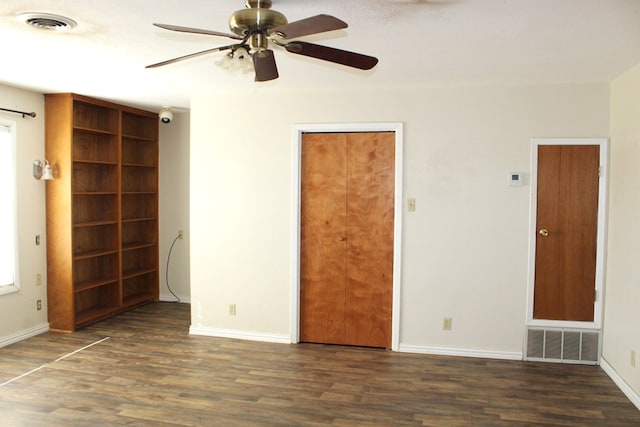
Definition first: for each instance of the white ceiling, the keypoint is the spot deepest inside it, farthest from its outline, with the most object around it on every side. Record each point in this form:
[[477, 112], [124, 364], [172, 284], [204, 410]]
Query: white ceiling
[[418, 42]]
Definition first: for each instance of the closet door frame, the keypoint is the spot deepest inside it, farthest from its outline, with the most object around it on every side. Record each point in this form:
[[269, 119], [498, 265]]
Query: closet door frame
[[298, 131]]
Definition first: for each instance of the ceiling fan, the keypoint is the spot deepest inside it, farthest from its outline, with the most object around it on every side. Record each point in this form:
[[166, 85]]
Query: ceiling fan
[[257, 25]]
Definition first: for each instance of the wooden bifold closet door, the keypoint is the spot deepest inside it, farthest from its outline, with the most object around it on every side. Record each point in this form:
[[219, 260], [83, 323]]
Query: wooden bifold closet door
[[346, 254]]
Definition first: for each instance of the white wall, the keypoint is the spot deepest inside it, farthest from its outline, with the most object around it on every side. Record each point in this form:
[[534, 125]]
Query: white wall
[[18, 315], [622, 300], [174, 206], [464, 249]]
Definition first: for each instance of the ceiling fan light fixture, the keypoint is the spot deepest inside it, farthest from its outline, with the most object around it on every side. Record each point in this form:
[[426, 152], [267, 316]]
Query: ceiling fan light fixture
[[47, 21], [237, 61], [257, 25]]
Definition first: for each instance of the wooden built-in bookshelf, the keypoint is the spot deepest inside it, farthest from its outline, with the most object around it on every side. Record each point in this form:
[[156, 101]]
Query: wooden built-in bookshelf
[[102, 209]]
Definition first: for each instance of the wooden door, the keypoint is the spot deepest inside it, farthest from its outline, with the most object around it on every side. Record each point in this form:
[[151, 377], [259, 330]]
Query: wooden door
[[323, 238], [347, 218], [566, 242]]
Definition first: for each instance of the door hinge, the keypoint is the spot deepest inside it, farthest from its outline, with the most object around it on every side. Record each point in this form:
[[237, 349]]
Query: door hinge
[[599, 171], [595, 295]]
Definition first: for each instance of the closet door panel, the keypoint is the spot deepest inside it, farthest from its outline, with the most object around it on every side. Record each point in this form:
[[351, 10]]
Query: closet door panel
[[323, 238], [370, 220]]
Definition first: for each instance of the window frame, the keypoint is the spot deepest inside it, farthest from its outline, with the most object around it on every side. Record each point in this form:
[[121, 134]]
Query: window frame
[[11, 128]]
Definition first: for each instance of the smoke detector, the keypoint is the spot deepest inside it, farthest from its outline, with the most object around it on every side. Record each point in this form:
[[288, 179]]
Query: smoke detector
[[47, 21]]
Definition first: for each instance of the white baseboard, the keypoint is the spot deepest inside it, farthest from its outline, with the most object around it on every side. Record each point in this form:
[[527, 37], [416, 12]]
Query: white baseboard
[[23, 335], [241, 335], [461, 352], [284, 339], [171, 298], [633, 396]]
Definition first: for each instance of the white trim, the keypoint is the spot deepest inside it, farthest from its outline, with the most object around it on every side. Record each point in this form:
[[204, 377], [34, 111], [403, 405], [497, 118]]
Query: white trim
[[298, 130], [23, 335], [9, 289], [11, 127], [461, 352], [171, 298], [562, 324], [240, 335], [633, 395], [601, 233]]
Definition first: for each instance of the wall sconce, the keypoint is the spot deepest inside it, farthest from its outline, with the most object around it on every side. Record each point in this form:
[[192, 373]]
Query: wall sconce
[[42, 170]]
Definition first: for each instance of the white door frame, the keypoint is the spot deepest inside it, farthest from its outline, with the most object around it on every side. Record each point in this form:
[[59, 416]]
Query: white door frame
[[601, 232], [298, 131]]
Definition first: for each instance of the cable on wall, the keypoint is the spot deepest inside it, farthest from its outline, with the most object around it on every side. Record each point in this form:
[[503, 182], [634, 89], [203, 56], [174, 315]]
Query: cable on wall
[[24, 113], [167, 269]]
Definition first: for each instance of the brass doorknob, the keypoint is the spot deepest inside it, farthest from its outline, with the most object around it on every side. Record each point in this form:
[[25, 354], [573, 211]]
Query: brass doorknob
[[543, 232]]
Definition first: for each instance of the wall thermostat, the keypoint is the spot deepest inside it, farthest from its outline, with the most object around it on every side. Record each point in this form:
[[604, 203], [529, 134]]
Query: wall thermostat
[[515, 179]]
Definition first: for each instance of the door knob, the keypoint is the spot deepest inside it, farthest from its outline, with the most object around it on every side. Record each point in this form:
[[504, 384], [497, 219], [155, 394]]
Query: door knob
[[543, 232]]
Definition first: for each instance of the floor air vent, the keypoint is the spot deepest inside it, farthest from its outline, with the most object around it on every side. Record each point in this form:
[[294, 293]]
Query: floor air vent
[[563, 345]]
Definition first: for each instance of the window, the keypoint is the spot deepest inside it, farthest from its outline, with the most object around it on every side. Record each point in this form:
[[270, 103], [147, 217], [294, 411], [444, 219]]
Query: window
[[8, 223]]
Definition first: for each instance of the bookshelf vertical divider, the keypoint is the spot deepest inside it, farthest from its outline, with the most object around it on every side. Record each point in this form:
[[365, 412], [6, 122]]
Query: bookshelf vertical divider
[[102, 209]]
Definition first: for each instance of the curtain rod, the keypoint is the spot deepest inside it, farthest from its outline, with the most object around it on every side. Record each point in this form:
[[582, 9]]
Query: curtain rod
[[24, 113]]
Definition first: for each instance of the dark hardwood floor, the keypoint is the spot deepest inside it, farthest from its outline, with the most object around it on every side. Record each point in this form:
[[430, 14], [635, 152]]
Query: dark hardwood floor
[[149, 372]]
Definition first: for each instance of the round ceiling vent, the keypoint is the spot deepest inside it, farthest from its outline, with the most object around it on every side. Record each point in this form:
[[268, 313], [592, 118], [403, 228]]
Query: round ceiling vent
[[48, 21]]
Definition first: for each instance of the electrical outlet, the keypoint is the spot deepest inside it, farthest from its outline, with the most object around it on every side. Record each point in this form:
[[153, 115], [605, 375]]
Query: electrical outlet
[[39, 305], [633, 358], [446, 323], [38, 279], [180, 234], [232, 309]]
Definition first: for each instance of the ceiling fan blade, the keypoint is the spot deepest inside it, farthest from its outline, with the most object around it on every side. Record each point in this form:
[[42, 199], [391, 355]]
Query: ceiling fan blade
[[344, 57], [265, 65], [305, 27], [197, 31], [191, 55]]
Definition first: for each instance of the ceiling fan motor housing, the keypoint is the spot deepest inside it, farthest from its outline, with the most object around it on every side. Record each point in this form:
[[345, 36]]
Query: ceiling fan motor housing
[[257, 17]]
